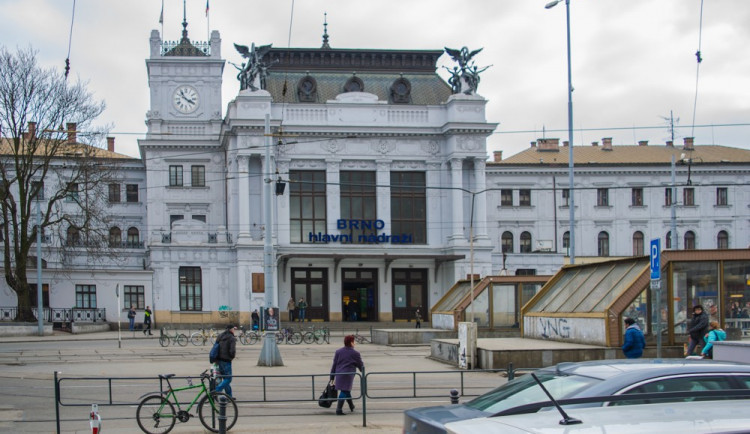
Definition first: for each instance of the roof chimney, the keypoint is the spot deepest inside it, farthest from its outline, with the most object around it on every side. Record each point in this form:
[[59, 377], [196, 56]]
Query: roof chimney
[[71, 132], [670, 144], [32, 130], [498, 156], [594, 143], [548, 144], [565, 143], [111, 144], [607, 144], [688, 144], [643, 143], [533, 144]]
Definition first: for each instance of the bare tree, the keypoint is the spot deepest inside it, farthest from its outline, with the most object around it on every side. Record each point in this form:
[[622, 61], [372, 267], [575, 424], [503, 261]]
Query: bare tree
[[47, 170]]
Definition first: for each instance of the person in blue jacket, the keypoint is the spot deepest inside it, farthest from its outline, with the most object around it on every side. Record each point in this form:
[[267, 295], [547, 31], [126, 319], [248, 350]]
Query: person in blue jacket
[[634, 340], [715, 333]]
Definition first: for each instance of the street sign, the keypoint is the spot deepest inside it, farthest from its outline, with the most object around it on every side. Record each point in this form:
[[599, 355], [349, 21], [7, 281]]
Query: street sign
[[655, 284], [655, 259]]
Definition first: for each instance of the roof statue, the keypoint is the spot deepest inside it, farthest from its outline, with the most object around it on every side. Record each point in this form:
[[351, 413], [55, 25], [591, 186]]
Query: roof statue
[[252, 74], [464, 77]]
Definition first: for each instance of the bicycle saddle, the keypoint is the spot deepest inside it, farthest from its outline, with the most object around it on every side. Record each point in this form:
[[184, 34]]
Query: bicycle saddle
[[166, 377]]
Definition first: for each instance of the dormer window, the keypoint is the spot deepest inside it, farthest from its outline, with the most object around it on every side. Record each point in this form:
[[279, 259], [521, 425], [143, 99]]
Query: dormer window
[[307, 89], [401, 91], [354, 84]]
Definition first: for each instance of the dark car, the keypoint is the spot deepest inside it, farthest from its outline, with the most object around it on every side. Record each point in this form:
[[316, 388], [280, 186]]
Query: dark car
[[578, 380]]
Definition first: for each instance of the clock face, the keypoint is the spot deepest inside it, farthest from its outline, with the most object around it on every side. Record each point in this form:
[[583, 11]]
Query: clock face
[[186, 99]]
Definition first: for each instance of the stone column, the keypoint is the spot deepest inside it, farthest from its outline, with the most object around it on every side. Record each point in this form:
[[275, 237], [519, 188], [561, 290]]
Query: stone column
[[435, 218], [333, 195], [457, 203], [383, 193], [243, 178], [480, 200]]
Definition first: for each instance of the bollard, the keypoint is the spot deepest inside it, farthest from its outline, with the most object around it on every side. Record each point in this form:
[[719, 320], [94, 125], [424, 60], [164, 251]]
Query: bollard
[[222, 414], [95, 421], [511, 374], [454, 396]]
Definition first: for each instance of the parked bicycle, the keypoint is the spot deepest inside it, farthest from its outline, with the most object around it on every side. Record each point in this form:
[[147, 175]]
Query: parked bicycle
[[248, 337], [178, 338], [360, 339], [319, 336], [289, 336], [156, 412], [202, 336]]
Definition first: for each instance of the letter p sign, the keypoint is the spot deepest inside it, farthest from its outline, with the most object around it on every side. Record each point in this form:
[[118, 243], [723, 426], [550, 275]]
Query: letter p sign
[[655, 259]]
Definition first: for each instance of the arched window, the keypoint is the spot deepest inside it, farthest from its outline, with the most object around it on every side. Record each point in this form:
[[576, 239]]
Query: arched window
[[722, 240], [689, 240], [115, 237], [566, 242], [638, 243], [603, 243], [73, 236], [507, 242], [668, 242], [525, 242], [133, 237]]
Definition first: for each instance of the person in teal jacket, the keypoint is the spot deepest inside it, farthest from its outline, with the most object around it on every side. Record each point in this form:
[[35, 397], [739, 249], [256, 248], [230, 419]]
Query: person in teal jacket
[[634, 340], [715, 334]]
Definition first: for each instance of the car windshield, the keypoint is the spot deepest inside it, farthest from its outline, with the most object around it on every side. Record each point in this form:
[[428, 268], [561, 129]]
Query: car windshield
[[524, 390]]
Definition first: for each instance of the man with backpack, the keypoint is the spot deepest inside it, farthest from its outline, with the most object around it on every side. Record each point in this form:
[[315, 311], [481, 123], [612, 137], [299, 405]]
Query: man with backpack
[[224, 352], [634, 340]]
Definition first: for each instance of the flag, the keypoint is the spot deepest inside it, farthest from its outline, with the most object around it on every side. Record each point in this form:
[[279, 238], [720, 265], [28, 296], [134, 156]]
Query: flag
[[161, 17], [206, 7]]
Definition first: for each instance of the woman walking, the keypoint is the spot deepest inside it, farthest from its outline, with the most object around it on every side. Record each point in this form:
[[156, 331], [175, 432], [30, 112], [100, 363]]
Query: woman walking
[[345, 363]]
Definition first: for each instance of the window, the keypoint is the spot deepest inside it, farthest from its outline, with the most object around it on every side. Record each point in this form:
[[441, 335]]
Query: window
[[175, 176], [199, 217], [602, 197], [524, 197], [637, 197], [638, 243], [175, 217], [689, 240], [603, 243], [358, 203], [668, 242], [687, 383], [38, 187], [73, 236], [566, 240], [409, 205], [133, 238], [525, 271], [307, 205], [115, 237], [566, 197], [668, 197], [86, 296], [688, 196], [134, 296], [525, 244], [34, 296], [114, 193], [191, 291], [507, 242], [72, 192], [506, 197], [721, 196], [131, 193], [722, 240], [198, 176]]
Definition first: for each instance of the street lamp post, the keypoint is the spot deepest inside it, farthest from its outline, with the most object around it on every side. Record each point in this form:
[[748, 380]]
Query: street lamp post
[[571, 201]]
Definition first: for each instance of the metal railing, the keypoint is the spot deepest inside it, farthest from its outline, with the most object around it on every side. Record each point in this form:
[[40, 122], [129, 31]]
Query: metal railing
[[54, 314]]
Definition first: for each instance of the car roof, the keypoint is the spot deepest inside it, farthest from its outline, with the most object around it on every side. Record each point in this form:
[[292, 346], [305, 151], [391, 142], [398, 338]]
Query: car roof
[[607, 369], [699, 416]]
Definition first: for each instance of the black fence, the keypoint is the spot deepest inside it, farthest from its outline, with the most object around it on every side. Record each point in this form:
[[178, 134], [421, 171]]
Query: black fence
[[61, 315]]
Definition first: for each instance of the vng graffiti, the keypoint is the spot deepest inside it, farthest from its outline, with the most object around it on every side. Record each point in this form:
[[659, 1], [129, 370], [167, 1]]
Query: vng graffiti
[[554, 328]]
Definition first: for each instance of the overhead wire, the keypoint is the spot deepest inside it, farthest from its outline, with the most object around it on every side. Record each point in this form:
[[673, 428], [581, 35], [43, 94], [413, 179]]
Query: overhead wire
[[699, 60], [70, 40]]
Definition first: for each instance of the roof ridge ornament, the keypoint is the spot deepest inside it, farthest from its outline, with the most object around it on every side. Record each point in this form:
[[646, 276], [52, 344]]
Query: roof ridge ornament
[[325, 45], [464, 77]]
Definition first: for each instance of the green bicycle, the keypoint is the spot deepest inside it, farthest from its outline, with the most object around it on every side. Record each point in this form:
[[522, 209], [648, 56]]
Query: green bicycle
[[156, 412]]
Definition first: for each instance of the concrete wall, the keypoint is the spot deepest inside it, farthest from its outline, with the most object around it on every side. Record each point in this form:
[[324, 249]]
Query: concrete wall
[[590, 331]]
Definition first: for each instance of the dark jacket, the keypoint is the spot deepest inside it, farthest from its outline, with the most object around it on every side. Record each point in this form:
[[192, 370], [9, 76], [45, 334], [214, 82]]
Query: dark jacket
[[634, 342], [345, 363], [147, 316], [698, 326], [227, 346]]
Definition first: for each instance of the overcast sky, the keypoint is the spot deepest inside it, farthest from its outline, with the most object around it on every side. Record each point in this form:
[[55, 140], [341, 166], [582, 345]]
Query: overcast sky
[[633, 60]]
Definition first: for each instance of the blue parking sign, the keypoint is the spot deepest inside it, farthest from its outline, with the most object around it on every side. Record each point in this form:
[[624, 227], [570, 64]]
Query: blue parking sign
[[655, 259]]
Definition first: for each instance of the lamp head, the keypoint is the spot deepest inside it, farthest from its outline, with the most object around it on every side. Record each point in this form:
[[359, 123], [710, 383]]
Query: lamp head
[[552, 4]]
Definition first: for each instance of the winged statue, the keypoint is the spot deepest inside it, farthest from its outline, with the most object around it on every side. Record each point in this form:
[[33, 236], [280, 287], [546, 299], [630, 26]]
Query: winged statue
[[255, 69], [465, 77]]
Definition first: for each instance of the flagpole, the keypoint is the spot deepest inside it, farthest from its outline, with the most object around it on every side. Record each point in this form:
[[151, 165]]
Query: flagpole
[[161, 20], [208, 24]]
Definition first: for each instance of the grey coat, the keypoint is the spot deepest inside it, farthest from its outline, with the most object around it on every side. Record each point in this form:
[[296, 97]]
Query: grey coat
[[345, 363]]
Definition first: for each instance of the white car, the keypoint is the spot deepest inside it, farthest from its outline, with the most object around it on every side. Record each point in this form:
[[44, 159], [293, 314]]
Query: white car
[[676, 417]]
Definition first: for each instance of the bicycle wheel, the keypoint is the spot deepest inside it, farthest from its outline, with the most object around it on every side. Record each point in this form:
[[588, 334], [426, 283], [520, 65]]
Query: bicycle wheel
[[210, 417], [308, 338], [155, 415], [319, 338], [252, 338], [244, 340], [197, 339], [295, 338], [182, 340], [279, 338], [164, 341]]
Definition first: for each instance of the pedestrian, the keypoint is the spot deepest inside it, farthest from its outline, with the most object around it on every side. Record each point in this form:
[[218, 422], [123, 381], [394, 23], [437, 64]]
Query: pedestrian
[[634, 340], [147, 321], [345, 315], [418, 318], [227, 351], [353, 308], [715, 334], [697, 328], [301, 309], [290, 306], [131, 318], [346, 361], [256, 319]]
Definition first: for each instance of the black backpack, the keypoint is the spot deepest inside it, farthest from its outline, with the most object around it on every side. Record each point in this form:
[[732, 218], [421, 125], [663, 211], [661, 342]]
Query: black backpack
[[213, 355]]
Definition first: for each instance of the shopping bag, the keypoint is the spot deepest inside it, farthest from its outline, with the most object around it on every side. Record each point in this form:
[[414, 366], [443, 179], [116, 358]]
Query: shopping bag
[[328, 396]]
